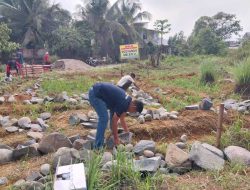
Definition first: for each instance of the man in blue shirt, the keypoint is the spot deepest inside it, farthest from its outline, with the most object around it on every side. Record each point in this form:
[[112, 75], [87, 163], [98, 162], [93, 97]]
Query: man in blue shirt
[[104, 96]]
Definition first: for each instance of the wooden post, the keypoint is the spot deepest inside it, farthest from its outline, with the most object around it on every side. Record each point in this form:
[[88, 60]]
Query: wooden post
[[219, 127]]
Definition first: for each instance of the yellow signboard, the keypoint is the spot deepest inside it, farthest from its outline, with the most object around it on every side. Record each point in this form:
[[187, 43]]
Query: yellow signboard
[[129, 51]]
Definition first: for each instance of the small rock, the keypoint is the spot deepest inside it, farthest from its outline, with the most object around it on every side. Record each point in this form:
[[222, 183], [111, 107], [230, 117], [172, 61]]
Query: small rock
[[160, 155], [206, 104], [30, 185], [108, 166], [92, 115], [148, 153], [238, 154], [20, 182], [72, 101], [33, 176], [35, 135], [174, 113], [141, 119], [107, 156], [144, 145], [184, 138], [74, 119], [74, 137], [172, 116], [78, 144], [23, 122], [164, 116], [66, 156], [5, 156], [35, 128], [3, 180], [53, 142], [45, 169], [156, 116], [11, 99], [148, 117], [93, 132], [2, 100], [11, 129], [147, 164], [192, 107], [89, 125], [36, 100], [129, 147], [27, 102], [45, 115], [29, 151], [181, 145]]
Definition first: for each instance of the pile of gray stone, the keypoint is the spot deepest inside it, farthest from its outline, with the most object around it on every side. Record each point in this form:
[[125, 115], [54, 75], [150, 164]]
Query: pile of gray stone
[[158, 114], [88, 121], [241, 107]]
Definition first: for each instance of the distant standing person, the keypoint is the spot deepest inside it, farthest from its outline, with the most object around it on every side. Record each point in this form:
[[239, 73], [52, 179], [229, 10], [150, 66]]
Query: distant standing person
[[19, 56], [46, 59], [126, 81], [104, 96]]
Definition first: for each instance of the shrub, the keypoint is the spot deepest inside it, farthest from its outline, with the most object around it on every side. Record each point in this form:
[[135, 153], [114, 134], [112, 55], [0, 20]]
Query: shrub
[[208, 73], [242, 76], [236, 135]]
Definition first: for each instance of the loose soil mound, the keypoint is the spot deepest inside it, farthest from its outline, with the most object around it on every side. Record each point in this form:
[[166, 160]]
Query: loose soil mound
[[71, 65], [189, 122]]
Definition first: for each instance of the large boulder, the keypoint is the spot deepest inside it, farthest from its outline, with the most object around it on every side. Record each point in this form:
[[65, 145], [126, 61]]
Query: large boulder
[[144, 145], [53, 142], [175, 156], [238, 154], [65, 156], [205, 158], [5, 155]]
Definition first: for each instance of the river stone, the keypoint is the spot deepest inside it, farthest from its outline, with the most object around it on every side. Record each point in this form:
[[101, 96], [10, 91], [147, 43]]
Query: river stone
[[11, 99], [3, 181], [92, 115], [45, 169], [36, 128], [78, 143], [175, 156], [192, 107], [184, 138], [30, 185], [164, 116], [74, 137], [36, 100], [33, 176], [27, 102], [45, 115], [148, 153], [5, 121], [204, 158], [35, 135], [74, 119], [11, 129], [172, 116], [53, 142], [144, 145], [181, 145], [238, 154], [141, 119], [206, 104], [2, 100], [89, 125], [214, 150], [19, 183], [65, 156], [5, 156], [148, 117], [147, 164], [23, 122]]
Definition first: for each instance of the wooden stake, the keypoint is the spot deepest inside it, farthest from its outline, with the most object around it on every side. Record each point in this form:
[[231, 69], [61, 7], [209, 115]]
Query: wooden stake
[[219, 127]]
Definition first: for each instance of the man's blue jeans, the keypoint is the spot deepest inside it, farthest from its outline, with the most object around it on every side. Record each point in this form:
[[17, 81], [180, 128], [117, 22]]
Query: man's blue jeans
[[102, 111]]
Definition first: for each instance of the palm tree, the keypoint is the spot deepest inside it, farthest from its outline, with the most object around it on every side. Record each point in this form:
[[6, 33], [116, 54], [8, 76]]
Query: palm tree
[[129, 14], [27, 19]]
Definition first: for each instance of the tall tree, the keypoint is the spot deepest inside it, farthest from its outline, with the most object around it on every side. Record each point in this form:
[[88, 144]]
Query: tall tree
[[177, 45], [5, 44], [163, 27]]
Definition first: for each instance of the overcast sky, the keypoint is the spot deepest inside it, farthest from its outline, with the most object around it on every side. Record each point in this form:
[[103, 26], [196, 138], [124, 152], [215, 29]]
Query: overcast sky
[[182, 14]]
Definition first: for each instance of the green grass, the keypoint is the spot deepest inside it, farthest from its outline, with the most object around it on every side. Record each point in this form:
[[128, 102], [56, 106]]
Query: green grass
[[242, 73], [236, 135], [208, 73], [74, 84]]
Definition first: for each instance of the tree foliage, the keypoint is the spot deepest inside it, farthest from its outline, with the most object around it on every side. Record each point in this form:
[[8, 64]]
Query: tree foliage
[[162, 27], [178, 45], [5, 44]]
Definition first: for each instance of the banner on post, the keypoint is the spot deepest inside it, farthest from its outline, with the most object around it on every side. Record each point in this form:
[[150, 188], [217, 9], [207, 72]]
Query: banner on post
[[129, 51]]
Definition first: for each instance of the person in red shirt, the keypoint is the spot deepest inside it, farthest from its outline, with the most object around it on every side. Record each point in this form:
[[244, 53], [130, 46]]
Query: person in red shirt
[[46, 59]]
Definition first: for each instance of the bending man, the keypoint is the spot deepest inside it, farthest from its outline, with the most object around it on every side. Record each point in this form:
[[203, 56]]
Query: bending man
[[104, 96]]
